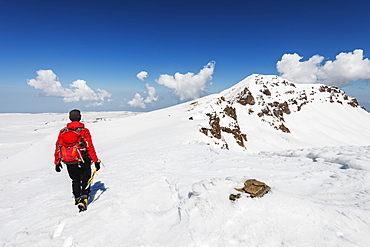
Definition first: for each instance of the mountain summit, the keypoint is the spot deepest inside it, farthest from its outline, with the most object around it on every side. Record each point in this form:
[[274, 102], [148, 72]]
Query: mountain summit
[[266, 112]]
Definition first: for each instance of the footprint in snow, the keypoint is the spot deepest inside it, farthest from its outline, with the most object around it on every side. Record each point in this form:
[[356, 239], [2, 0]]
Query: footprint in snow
[[68, 242], [59, 229]]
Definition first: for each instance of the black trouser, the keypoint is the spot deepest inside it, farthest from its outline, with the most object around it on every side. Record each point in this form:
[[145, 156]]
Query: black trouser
[[80, 173]]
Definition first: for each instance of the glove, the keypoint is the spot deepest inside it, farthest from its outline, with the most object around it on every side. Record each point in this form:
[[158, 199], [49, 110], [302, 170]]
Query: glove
[[58, 167], [97, 165]]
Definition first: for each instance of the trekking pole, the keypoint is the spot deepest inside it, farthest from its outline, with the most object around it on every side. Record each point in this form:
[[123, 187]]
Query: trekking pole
[[91, 180]]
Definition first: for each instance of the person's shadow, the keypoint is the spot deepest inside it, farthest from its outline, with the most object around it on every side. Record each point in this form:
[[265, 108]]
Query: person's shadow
[[95, 188]]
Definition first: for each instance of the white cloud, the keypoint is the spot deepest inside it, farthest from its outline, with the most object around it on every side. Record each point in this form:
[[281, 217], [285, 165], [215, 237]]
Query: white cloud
[[292, 69], [47, 81], [345, 69], [142, 75], [139, 101], [188, 86], [151, 94]]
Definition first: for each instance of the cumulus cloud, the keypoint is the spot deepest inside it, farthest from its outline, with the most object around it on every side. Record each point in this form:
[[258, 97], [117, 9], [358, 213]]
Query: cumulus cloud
[[348, 67], [291, 68], [345, 69], [151, 94], [142, 75], [189, 86], [47, 81], [139, 101]]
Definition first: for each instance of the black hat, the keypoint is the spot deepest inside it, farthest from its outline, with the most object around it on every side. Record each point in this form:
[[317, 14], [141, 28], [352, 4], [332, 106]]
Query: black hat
[[75, 115]]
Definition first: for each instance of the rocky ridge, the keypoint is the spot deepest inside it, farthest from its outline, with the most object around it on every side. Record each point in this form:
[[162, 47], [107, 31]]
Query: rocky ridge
[[270, 98]]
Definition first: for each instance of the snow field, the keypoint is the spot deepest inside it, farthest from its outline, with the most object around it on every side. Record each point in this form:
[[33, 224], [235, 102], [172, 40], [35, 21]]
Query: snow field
[[163, 185]]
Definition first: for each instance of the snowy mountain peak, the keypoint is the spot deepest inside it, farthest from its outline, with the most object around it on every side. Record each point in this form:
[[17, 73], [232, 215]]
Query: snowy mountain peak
[[268, 102], [271, 90]]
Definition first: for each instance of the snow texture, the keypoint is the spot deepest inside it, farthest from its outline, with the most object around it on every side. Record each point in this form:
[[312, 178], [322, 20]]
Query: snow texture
[[165, 183]]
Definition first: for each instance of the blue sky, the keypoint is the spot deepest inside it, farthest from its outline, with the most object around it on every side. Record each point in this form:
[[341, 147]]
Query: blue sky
[[105, 44]]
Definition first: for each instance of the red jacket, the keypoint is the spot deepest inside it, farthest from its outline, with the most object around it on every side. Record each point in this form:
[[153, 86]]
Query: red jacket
[[85, 134]]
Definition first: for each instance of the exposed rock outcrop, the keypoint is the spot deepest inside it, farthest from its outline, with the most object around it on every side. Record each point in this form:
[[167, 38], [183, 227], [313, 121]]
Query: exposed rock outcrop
[[270, 98], [224, 121]]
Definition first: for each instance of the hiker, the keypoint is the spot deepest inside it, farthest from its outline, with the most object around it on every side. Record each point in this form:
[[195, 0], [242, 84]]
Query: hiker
[[75, 149]]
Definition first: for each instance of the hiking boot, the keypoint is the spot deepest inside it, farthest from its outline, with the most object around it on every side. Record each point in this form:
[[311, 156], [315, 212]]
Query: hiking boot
[[82, 203]]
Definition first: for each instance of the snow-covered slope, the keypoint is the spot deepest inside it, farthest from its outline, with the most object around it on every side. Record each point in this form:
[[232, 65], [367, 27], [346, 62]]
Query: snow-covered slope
[[166, 183], [269, 113]]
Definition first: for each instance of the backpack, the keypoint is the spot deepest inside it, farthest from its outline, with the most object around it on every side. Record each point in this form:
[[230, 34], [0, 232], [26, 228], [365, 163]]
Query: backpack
[[71, 146]]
